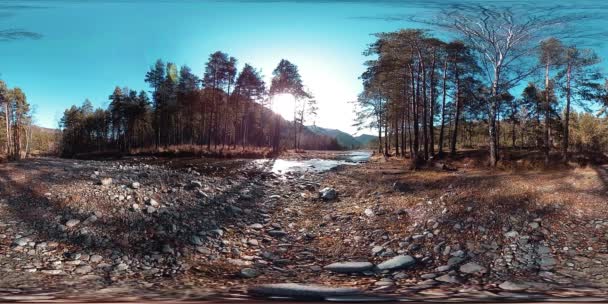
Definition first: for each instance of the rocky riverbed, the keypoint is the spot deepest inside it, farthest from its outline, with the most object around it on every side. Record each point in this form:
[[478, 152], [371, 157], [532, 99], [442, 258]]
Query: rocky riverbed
[[144, 228]]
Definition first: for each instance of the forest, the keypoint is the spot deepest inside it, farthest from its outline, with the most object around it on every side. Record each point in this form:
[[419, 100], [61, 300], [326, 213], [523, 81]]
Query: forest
[[221, 110], [503, 84]]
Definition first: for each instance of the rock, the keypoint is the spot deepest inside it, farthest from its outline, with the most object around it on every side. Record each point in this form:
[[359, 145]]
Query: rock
[[377, 250], [349, 267], [443, 268], [153, 203], [369, 212], [547, 263], [121, 267], [513, 286], [328, 194], [135, 207], [106, 181], [135, 185], [473, 268], [52, 271], [91, 219], [96, 258], [21, 241], [302, 291], [253, 242], [150, 209], [196, 240], [384, 282], [446, 278], [277, 233], [256, 226], [83, 269], [511, 234], [398, 262], [167, 249], [453, 261], [400, 187], [248, 273], [196, 184], [71, 223]]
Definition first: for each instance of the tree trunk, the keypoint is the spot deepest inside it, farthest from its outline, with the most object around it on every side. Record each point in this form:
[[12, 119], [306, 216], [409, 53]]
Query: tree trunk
[[547, 115], [567, 114], [442, 127], [457, 115], [432, 107]]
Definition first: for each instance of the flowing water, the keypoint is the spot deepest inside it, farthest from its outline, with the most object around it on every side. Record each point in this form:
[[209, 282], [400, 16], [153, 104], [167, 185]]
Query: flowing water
[[282, 166]]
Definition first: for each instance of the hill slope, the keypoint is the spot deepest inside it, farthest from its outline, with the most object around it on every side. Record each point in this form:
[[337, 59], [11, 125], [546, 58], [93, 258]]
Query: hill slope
[[344, 139]]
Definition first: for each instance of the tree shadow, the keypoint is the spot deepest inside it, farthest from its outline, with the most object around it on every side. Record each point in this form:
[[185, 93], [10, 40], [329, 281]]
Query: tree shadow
[[135, 233]]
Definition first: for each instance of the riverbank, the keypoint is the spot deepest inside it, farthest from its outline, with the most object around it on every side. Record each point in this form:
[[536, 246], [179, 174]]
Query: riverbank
[[215, 228]]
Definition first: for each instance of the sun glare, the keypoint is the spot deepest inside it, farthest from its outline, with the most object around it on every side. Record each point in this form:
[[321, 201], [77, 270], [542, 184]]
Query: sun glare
[[283, 105]]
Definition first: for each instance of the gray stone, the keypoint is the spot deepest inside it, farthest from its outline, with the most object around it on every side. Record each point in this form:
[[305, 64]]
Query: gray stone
[[277, 233], [513, 286], [446, 278], [328, 194], [377, 250], [398, 262], [453, 261], [135, 185], [96, 258], [349, 267], [443, 268], [248, 273], [473, 268], [256, 226], [369, 212], [303, 291], [21, 241], [83, 269], [153, 203], [428, 276], [105, 181], [196, 184], [195, 240], [400, 187], [547, 263], [71, 223], [167, 249]]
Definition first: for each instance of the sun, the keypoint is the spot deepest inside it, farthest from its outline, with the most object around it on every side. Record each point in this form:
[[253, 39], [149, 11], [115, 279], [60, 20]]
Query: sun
[[283, 104]]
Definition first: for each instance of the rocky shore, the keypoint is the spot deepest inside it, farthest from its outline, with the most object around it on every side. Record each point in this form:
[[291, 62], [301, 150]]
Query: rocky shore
[[141, 229]]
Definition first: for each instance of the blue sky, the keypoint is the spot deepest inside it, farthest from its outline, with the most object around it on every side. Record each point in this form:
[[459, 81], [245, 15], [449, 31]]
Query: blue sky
[[89, 47]]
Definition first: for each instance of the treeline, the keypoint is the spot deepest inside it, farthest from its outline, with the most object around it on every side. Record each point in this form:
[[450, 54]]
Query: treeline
[[16, 122], [224, 108], [426, 97]]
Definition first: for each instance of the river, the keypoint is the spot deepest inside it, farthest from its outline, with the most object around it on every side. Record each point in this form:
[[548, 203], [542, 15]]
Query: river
[[283, 166]]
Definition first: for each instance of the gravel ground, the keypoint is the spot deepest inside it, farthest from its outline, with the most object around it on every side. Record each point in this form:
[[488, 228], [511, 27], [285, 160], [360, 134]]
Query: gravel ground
[[149, 228]]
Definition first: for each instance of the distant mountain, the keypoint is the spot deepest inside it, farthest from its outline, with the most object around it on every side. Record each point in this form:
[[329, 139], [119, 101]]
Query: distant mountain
[[344, 139], [365, 139]]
